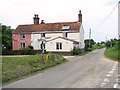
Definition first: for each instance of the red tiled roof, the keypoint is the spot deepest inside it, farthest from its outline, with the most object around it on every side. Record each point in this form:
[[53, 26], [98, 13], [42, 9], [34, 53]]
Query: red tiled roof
[[63, 38], [47, 27]]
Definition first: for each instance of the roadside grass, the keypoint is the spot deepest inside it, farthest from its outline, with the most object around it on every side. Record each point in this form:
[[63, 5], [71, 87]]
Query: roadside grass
[[94, 47], [84, 53], [14, 68], [113, 53]]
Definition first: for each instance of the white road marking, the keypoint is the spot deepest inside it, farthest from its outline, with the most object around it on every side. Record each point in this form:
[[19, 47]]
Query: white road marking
[[111, 72], [117, 80], [114, 66], [106, 80], [113, 69], [115, 86], [109, 75], [103, 84]]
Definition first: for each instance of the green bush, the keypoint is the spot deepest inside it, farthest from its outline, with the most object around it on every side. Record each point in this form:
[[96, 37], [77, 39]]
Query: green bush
[[75, 52], [31, 47], [26, 51], [113, 53]]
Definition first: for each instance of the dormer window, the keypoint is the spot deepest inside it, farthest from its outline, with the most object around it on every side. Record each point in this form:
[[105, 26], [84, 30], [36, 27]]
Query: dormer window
[[42, 34], [65, 27], [23, 35]]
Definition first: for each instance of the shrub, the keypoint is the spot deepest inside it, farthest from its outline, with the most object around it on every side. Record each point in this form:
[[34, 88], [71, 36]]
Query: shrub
[[31, 47], [75, 52]]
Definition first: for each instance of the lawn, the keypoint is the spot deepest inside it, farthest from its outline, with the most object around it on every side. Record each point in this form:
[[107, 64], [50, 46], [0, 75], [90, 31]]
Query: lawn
[[113, 53], [17, 67]]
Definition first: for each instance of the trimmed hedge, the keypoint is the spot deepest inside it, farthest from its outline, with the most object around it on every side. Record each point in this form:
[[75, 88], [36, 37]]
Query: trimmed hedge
[[21, 52]]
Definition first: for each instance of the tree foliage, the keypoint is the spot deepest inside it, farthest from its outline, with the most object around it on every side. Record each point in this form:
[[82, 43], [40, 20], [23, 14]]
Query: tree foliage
[[6, 37], [92, 42], [112, 43]]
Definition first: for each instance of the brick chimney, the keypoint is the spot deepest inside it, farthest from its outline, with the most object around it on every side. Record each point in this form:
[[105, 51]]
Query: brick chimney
[[80, 17], [36, 19]]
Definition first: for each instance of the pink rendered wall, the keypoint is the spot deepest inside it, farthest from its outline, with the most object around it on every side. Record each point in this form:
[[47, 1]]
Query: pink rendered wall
[[16, 40]]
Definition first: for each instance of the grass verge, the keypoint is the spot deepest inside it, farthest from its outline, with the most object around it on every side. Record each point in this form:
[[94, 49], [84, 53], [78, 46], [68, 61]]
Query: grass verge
[[14, 68], [81, 54], [91, 49], [113, 53]]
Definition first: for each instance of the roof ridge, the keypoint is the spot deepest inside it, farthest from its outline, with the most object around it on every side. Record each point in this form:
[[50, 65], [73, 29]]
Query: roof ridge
[[68, 39], [49, 23], [61, 22], [62, 38]]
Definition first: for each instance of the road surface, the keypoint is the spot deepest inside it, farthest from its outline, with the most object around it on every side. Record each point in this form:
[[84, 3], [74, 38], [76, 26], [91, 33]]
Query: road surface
[[90, 71]]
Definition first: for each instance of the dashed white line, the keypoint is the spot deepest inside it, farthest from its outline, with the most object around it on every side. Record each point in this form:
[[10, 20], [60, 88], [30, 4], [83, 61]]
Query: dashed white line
[[114, 66], [109, 75], [113, 69], [106, 80], [111, 72], [115, 86], [103, 84]]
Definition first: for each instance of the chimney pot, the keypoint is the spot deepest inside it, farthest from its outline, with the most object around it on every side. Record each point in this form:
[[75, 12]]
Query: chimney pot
[[36, 19]]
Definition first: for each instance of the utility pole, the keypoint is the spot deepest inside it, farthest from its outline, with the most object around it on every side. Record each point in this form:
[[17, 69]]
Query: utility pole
[[119, 20], [89, 37], [106, 39]]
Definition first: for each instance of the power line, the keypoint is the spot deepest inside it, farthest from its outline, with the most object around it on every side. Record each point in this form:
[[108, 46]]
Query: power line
[[108, 16]]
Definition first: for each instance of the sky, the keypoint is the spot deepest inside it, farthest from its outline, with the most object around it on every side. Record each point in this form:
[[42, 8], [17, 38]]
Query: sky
[[100, 16]]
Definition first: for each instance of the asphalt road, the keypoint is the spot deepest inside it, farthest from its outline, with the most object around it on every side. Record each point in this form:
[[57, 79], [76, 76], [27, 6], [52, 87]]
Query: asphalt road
[[90, 71]]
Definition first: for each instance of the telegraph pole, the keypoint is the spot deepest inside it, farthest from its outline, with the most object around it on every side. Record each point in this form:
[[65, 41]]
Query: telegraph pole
[[89, 36], [106, 39], [119, 20]]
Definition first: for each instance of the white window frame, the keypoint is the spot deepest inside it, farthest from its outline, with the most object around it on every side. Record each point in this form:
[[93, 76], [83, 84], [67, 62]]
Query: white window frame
[[14, 35], [42, 34], [22, 35], [59, 47], [22, 45], [65, 34]]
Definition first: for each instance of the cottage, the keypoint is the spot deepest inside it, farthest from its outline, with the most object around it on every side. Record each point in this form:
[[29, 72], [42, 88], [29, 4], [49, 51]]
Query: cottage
[[52, 37]]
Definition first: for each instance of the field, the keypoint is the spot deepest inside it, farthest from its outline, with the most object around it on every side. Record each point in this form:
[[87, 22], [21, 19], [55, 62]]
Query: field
[[17, 67]]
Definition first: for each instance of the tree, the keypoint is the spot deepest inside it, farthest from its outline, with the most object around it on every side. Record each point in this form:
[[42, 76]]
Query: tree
[[92, 42], [102, 42], [6, 37]]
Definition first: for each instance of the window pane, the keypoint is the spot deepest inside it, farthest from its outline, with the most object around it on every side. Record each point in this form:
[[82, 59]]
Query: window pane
[[57, 45], [23, 44], [65, 27], [22, 35], [42, 34], [60, 45], [64, 34]]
